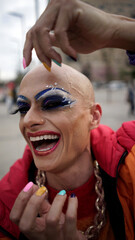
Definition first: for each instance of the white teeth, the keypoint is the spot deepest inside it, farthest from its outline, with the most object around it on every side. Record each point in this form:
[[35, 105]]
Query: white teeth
[[37, 138], [46, 137], [43, 150]]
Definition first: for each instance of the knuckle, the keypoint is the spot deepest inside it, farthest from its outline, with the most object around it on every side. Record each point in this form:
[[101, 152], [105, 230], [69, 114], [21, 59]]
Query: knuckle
[[46, 54], [70, 218], [29, 34], [39, 30], [36, 30], [65, 49], [22, 198], [13, 217], [58, 32], [24, 227], [51, 222], [40, 55], [34, 204], [49, 51]]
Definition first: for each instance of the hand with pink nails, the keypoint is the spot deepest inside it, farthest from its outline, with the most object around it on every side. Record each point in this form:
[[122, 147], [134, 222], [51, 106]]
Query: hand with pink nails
[[76, 27], [39, 220]]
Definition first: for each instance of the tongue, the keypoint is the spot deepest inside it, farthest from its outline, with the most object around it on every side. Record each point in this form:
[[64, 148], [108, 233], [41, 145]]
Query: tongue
[[45, 146]]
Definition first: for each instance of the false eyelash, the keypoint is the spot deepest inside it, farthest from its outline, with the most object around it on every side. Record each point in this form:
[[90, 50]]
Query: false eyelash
[[22, 110], [20, 107], [14, 111]]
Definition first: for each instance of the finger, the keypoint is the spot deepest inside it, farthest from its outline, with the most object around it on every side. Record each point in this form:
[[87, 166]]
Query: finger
[[28, 46], [32, 209], [42, 57], [43, 44], [21, 202], [45, 48], [40, 32], [45, 207], [70, 226], [62, 26], [53, 219], [42, 29]]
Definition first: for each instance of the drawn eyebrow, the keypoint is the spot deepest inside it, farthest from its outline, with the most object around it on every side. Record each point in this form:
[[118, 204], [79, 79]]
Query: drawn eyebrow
[[21, 97], [37, 97]]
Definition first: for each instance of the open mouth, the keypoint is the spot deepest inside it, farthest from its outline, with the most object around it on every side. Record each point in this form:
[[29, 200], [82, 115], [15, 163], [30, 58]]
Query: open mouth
[[45, 143]]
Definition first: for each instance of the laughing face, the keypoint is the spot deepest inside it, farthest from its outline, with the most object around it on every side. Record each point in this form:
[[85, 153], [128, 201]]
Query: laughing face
[[56, 118]]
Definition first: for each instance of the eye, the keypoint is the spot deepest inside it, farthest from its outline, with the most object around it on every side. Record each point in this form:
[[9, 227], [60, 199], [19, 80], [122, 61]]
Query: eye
[[54, 102], [23, 108]]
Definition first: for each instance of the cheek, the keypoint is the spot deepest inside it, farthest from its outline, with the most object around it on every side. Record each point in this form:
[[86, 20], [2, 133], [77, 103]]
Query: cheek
[[21, 126], [81, 125], [77, 131]]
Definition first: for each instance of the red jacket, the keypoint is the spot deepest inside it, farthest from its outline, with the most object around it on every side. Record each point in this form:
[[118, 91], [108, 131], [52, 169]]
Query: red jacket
[[107, 146]]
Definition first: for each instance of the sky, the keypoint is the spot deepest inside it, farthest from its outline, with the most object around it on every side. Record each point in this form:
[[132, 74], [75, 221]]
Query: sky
[[16, 18]]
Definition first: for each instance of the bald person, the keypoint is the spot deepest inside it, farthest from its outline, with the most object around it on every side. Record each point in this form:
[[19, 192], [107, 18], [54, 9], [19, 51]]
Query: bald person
[[56, 190]]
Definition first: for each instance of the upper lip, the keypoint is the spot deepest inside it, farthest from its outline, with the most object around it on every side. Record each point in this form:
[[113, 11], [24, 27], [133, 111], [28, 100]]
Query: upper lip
[[42, 133]]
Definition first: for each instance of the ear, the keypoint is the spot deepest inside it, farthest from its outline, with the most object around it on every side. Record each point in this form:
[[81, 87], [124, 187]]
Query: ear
[[96, 113]]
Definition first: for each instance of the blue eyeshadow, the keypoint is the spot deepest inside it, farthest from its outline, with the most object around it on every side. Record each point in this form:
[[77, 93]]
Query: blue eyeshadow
[[21, 103], [49, 89]]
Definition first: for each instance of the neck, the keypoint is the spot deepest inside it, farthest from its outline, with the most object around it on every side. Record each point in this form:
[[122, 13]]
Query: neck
[[72, 177]]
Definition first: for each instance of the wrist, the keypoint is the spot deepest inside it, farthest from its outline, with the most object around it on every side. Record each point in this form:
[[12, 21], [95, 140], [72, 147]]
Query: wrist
[[123, 35]]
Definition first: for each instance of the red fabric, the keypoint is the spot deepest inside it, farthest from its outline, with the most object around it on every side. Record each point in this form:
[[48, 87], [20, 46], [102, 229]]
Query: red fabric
[[108, 146], [86, 198]]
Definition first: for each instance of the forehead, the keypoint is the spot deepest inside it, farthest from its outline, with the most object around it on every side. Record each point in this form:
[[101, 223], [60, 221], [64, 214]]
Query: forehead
[[39, 79]]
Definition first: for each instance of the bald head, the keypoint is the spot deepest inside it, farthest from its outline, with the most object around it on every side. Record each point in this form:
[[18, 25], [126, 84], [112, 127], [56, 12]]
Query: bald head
[[65, 77]]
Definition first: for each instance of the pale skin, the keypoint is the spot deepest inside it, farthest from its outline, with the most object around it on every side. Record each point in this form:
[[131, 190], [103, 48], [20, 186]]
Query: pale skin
[[76, 27], [65, 164]]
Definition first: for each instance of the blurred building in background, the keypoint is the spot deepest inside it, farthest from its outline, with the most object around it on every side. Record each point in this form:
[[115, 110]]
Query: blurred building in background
[[123, 7]]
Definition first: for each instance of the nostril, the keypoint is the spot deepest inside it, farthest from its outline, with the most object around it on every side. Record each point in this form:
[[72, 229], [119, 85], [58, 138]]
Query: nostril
[[34, 125]]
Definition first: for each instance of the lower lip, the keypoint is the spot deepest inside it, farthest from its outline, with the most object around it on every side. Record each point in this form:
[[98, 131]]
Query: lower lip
[[44, 153]]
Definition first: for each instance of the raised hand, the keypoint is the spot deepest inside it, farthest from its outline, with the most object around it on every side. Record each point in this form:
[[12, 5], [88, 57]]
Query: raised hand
[[39, 220], [76, 27], [70, 25]]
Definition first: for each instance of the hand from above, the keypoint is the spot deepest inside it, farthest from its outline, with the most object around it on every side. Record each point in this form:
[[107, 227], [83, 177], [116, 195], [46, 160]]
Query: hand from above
[[39, 220], [71, 25]]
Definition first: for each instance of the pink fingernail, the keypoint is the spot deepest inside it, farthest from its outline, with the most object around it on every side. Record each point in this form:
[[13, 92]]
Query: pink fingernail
[[24, 63], [28, 186]]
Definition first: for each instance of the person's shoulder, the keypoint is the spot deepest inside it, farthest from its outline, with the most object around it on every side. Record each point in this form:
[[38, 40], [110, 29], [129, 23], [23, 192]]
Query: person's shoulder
[[126, 135], [109, 146], [102, 131]]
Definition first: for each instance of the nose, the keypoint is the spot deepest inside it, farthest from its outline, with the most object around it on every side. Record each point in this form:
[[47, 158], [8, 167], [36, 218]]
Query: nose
[[33, 118]]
